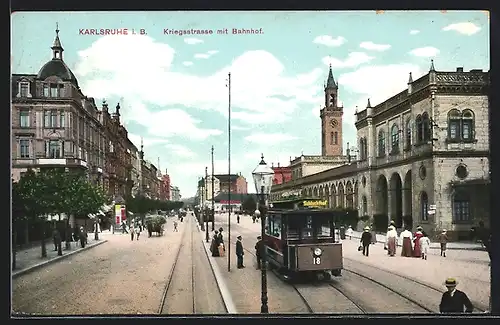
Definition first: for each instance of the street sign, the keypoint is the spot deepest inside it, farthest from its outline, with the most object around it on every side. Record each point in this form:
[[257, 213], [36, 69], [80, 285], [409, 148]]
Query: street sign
[[431, 212], [432, 207]]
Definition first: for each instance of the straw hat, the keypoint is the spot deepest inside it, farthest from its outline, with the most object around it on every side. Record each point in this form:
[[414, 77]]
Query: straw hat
[[451, 282], [444, 231], [367, 228], [419, 228], [239, 237]]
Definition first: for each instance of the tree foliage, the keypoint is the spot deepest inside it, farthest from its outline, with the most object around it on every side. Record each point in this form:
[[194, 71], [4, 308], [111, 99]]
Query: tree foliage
[[28, 197], [143, 205], [249, 204]]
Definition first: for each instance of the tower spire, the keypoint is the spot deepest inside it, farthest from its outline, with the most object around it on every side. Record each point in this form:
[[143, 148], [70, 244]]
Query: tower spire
[[57, 48], [330, 82], [141, 153], [432, 66]]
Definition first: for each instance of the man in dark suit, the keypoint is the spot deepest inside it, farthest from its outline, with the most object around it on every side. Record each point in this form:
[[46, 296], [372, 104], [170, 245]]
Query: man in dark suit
[[259, 249], [239, 252], [366, 239], [453, 300]]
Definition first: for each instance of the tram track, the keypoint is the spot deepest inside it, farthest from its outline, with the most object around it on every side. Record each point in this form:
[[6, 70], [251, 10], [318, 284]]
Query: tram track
[[407, 285]]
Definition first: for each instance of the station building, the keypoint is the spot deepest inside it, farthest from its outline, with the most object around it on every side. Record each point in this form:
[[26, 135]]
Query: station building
[[423, 155]]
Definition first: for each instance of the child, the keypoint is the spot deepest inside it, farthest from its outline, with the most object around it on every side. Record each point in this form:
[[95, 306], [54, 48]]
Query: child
[[425, 244], [175, 226], [349, 232]]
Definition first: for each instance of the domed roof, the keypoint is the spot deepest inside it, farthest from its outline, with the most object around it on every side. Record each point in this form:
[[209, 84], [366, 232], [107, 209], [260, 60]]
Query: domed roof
[[57, 67]]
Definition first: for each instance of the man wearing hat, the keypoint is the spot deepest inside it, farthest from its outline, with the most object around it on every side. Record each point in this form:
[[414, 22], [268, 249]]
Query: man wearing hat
[[453, 300], [443, 240], [366, 239], [417, 252], [239, 253], [259, 250]]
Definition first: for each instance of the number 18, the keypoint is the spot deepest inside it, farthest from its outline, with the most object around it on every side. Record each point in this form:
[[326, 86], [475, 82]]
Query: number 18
[[316, 260]]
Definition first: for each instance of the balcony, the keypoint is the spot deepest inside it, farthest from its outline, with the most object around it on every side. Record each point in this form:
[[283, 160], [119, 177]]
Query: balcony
[[68, 162]]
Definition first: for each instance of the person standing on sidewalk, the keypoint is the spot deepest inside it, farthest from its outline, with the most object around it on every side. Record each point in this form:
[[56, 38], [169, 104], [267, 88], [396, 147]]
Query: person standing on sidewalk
[[56, 237], [443, 240], [417, 252], [425, 244], [138, 230], [406, 240], [259, 249], [349, 232], [132, 231], [175, 226], [239, 253], [392, 238], [366, 239], [453, 300], [83, 237]]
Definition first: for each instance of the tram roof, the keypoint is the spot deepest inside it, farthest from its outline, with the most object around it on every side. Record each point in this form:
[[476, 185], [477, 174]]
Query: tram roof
[[300, 204]]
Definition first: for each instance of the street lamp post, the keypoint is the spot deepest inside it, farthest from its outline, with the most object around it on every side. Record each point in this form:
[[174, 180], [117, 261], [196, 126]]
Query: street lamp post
[[206, 210], [263, 178]]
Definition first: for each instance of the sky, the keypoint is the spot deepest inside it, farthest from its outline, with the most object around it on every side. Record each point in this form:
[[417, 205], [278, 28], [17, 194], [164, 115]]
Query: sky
[[172, 87]]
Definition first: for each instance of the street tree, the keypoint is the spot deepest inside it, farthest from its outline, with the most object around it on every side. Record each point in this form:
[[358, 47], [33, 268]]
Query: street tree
[[249, 205]]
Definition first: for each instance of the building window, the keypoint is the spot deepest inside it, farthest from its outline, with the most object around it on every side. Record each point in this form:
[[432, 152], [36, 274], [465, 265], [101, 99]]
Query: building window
[[24, 148], [424, 206], [62, 122], [24, 118], [426, 127], [55, 149], [461, 207], [394, 139], [46, 90], [419, 128], [381, 143], [364, 206], [54, 90], [454, 121], [365, 149], [408, 135], [361, 149], [46, 119], [332, 138], [24, 89], [53, 118], [335, 137], [467, 125]]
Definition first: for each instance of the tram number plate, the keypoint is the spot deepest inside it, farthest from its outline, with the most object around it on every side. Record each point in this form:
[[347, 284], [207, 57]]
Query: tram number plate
[[316, 260]]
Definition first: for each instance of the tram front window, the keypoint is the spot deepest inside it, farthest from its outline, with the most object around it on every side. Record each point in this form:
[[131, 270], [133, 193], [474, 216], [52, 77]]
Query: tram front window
[[323, 227], [293, 228]]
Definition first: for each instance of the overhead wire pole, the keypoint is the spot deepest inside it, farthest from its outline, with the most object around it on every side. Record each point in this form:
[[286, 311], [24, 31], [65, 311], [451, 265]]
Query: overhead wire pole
[[229, 172], [213, 192], [206, 209]]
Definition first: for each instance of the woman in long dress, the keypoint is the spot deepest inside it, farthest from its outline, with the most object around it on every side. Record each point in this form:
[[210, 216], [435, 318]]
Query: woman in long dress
[[214, 247], [391, 241], [417, 251], [406, 240]]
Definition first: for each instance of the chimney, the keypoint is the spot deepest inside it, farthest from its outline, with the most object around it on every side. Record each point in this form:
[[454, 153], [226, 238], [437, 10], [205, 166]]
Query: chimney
[[278, 164], [460, 69]]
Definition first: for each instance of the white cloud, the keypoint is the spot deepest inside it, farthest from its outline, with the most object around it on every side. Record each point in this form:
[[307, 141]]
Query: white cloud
[[192, 40], [353, 60], [466, 28], [180, 150], [427, 51], [187, 63], [269, 138], [205, 55], [414, 32], [377, 83], [329, 41], [374, 47], [112, 66]]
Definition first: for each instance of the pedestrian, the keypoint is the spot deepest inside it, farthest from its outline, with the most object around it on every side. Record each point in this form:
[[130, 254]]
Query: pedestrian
[[259, 251], [349, 232], [443, 240], [253, 218], [124, 228], [132, 231], [150, 228], [56, 237], [374, 234], [453, 300], [175, 226], [214, 247], [366, 239], [425, 244], [239, 252], [406, 243], [417, 252], [138, 230], [392, 237], [83, 237]]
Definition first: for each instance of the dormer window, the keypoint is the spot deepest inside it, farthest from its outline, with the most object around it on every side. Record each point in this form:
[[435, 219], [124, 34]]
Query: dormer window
[[46, 92], [24, 89], [54, 90], [57, 54]]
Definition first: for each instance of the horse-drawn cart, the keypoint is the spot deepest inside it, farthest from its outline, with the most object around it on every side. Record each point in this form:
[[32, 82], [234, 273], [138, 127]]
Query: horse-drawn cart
[[155, 224]]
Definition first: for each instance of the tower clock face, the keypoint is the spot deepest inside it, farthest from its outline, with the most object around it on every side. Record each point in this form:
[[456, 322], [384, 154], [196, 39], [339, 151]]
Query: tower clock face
[[334, 123]]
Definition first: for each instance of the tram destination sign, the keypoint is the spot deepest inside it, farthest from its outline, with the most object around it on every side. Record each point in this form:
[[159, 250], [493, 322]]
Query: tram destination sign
[[315, 204]]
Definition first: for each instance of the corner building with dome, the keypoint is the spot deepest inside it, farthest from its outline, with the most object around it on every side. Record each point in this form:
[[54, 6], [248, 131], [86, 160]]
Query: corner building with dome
[[422, 156]]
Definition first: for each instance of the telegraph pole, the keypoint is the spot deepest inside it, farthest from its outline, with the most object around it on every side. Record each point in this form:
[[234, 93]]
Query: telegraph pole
[[229, 172], [206, 196], [213, 191]]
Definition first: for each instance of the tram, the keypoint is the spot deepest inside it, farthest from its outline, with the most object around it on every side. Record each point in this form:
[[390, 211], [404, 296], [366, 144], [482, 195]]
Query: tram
[[300, 239]]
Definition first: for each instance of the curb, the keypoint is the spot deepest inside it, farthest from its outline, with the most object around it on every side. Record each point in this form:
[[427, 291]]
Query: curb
[[53, 260], [479, 249], [221, 284]]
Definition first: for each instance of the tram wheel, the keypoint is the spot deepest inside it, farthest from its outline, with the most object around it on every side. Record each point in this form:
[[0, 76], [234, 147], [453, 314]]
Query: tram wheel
[[337, 272]]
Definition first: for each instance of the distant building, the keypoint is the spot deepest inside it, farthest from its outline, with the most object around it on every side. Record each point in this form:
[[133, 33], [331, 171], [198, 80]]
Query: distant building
[[165, 187], [236, 182], [175, 193], [282, 174], [216, 183]]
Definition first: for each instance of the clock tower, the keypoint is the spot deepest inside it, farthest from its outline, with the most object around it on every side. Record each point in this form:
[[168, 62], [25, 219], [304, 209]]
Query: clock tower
[[331, 120]]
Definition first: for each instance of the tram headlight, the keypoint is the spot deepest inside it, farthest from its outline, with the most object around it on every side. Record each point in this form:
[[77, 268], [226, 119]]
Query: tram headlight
[[317, 251]]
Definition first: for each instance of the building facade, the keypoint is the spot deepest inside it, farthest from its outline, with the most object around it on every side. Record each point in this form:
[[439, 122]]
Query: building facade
[[53, 123], [176, 193], [236, 182], [281, 174], [216, 187], [165, 187], [423, 157]]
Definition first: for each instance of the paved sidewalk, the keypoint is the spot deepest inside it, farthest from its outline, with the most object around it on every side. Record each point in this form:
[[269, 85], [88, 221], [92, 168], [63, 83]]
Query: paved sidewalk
[[30, 259]]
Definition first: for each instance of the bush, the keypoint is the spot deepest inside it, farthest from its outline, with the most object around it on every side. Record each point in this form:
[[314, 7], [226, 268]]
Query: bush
[[380, 222]]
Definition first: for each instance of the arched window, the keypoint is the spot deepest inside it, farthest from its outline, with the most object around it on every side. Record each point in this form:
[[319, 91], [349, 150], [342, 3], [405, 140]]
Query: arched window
[[418, 128], [365, 149], [361, 150], [381, 143], [467, 125], [364, 206], [394, 139], [454, 121], [332, 139], [335, 137], [426, 127], [461, 207], [424, 206], [408, 135]]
